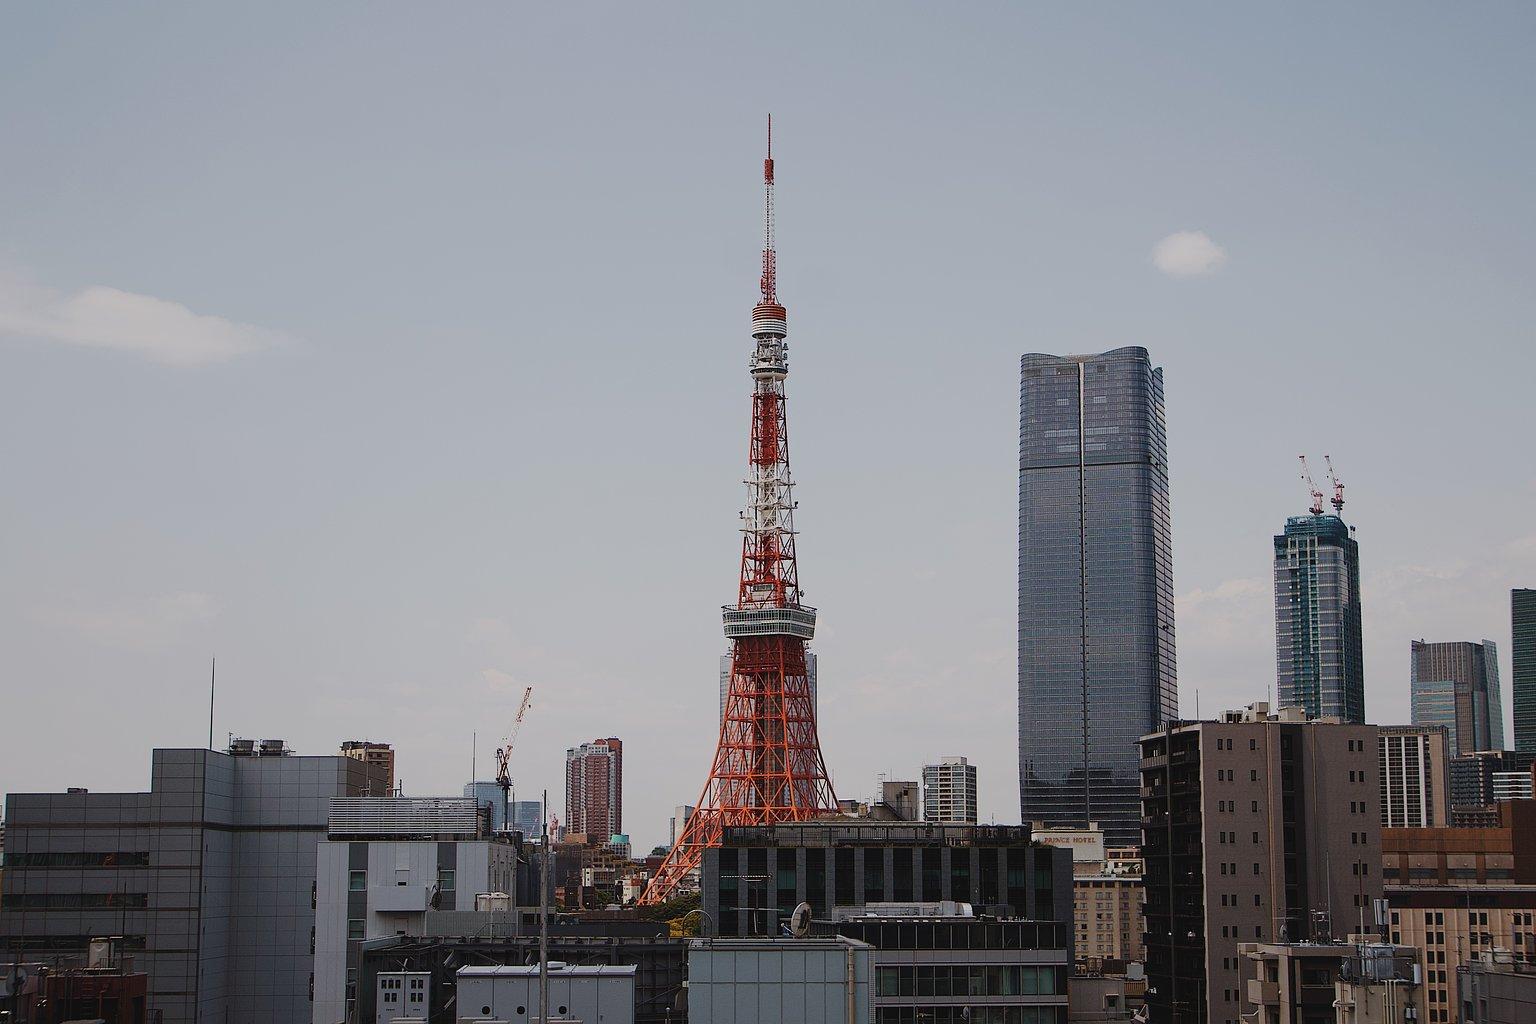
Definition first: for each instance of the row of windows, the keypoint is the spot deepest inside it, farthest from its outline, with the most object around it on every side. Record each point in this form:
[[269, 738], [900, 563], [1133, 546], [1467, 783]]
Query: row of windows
[[971, 980], [129, 859], [75, 900], [971, 1015]]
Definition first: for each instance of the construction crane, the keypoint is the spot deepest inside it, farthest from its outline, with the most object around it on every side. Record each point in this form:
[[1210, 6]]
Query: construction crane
[[1337, 501], [1316, 508], [504, 754]]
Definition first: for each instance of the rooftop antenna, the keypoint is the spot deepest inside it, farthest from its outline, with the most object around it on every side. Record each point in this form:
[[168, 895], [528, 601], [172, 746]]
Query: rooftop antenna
[[213, 677], [1337, 501], [1316, 508]]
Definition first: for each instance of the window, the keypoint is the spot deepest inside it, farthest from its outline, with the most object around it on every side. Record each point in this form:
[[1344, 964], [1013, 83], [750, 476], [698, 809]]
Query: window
[[355, 928], [357, 881], [445, 878]]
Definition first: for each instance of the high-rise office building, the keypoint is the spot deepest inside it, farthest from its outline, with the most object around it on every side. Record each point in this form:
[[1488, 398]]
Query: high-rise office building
[[1456, 685], [1095, 587], [1522, 635], [949, 792], [1319, 653], [208, 877], [1260, 827], [1415, 769], [594, 788]]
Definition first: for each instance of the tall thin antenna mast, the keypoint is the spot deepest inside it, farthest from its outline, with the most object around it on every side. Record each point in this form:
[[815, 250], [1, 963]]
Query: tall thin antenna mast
[[213, 676]]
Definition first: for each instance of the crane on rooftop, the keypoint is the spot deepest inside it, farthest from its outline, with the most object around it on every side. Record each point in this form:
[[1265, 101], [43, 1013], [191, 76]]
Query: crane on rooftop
[[1316, 508], [1337, 501], [504, 754]]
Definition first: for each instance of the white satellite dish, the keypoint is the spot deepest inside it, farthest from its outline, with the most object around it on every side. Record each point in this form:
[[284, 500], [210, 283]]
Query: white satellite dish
[[800, 921]]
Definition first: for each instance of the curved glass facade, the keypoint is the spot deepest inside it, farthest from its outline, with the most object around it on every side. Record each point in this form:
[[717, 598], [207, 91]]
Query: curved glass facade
[[1096, 637]]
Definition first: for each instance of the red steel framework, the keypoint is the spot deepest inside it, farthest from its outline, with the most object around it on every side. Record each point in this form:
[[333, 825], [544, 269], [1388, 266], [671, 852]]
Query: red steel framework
[[768, 765]]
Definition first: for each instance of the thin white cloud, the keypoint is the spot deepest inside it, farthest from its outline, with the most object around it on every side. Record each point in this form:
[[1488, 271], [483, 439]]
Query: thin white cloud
[[1188, 254], [142, 325], [139, 625]]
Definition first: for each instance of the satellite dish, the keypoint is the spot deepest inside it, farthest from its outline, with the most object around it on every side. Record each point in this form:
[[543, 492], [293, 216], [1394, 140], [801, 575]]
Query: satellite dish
[[800, 921]]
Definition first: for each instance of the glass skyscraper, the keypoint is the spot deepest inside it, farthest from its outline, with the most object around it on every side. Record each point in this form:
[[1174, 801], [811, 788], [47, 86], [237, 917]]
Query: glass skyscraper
[[1522, 630], [1457, 685], [1319, 650], [1096, 645]]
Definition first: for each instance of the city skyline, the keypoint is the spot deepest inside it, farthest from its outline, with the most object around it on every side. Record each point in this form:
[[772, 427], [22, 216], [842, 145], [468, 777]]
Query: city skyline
[[379, 479]]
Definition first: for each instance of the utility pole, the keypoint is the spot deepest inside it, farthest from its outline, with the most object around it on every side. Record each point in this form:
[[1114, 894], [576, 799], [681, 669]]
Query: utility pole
[[544, 921]]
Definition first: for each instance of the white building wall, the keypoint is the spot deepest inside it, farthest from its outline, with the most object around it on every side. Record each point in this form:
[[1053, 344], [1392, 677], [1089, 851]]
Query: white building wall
[[330, 934]]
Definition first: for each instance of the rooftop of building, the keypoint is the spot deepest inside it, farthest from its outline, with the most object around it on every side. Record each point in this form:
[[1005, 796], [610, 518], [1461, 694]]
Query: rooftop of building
[[853, 832], [557, 969]]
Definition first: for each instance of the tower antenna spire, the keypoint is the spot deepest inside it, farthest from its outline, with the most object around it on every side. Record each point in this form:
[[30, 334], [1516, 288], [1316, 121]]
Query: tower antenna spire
[[770, 270]]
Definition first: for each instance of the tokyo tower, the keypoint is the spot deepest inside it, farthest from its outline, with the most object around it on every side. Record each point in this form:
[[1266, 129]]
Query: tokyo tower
[[768, 766]]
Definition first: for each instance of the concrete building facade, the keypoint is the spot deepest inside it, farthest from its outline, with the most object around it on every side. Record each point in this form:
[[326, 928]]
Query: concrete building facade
[[209, 876], [1453, 924], [949, 792], [1496, 990], [1095, 585], [1259, 827], [386, 863], [1415, 769], [1363, 981]]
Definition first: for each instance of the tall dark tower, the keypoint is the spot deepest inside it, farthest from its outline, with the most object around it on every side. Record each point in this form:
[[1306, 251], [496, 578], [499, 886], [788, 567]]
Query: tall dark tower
[[768, 766], [1096, 642]]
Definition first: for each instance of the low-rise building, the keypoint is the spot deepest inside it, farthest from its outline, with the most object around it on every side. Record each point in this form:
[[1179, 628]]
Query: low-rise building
[[387, 863], [1496, 990], [574, 993], [1362, 981], [755, 878], [770, 981], [659, 965], [954, 967], [1452, 924]]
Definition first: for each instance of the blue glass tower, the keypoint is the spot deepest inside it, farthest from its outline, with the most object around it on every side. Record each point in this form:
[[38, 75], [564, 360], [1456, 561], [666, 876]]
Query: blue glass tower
[[1319, 651], [1096, 641]]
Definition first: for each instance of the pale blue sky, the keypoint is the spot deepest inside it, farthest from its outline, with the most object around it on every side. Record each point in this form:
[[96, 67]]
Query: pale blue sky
[[474, 413]]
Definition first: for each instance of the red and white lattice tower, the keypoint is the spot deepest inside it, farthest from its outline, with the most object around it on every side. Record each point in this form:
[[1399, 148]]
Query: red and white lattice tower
[[768, 766]]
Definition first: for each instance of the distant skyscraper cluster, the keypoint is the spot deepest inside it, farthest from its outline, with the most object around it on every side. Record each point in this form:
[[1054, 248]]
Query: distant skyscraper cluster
[[1095, 589]]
